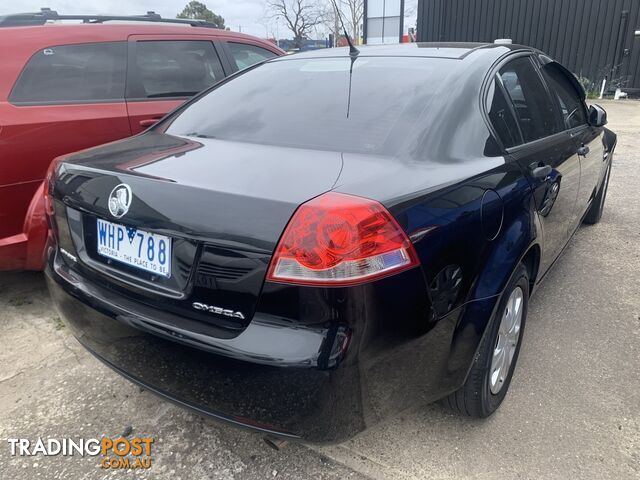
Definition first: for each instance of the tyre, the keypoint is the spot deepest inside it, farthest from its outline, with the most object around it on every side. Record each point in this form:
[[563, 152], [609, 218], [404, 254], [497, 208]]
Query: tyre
[[594, 214], [493, 367]]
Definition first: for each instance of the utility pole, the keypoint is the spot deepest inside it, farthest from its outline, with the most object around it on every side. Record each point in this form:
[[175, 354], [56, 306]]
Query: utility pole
[[336, 25]]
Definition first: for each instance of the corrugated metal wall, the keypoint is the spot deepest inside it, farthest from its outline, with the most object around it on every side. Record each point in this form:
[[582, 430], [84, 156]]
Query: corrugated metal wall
[[590, 37]]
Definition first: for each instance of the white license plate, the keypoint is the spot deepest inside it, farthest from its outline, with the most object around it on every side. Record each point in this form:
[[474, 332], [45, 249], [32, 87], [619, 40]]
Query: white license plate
[[144, 250]]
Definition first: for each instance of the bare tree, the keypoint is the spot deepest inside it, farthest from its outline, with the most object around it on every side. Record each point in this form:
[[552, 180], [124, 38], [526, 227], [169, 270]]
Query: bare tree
[[331, 23], [300, 16], [354, 10], [351, 12]]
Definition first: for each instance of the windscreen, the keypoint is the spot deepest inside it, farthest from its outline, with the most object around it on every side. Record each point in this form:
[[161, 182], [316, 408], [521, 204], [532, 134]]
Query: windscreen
[[370, 106]]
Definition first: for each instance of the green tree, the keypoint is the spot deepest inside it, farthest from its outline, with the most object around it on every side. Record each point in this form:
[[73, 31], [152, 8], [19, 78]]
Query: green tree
[[199, 11]]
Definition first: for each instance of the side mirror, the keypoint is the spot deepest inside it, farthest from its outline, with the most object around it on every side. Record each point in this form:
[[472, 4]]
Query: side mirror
[[597, 116]]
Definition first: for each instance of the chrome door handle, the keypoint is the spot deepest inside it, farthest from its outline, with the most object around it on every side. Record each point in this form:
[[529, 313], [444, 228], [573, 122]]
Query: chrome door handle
[[540, 171], [583, 150]]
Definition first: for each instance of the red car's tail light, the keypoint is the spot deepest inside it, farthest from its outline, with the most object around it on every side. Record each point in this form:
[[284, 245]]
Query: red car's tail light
[[48, 202], [339, 239]]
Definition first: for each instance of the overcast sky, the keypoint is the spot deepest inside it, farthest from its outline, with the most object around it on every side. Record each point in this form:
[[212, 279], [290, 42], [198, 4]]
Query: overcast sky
[[246, 14]]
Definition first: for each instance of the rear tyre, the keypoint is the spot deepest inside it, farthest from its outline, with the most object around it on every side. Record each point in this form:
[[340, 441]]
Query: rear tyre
[[493, 367], [597, 207]]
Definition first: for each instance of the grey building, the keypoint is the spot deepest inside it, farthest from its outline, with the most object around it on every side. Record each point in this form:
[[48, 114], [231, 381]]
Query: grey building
[[595, 39]]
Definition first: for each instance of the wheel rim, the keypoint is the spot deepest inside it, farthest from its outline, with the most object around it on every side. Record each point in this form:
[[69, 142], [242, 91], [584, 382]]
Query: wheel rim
[[507, 341]]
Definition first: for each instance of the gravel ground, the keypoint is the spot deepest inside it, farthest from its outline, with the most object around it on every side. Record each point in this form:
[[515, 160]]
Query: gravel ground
[[571, 412]]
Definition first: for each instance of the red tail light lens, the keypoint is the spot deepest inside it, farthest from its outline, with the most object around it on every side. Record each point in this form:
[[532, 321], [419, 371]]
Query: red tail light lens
[[48, 202], [338, 239]]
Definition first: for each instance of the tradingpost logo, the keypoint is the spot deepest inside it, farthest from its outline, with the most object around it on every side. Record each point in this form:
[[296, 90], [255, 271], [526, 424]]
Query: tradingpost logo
[[119, 453]]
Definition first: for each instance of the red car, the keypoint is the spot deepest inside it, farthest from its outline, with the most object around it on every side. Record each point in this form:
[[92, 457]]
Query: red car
[[69, 86]]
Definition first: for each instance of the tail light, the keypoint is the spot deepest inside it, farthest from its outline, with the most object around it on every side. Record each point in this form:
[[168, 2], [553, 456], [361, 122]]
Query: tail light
[[338, 239], [48, 202]]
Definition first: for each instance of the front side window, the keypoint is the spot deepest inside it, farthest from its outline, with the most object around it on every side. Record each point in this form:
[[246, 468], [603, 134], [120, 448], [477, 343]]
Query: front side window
[[179, 68], [245, 55], [84, 73], [534, 109], [570, 103]]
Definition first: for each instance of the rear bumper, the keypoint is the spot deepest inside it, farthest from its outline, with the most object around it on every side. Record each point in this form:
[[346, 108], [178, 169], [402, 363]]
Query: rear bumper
[[322, 383], [25, 250]]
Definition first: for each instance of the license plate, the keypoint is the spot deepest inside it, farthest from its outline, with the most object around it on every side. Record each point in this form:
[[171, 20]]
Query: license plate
[[144, 250]]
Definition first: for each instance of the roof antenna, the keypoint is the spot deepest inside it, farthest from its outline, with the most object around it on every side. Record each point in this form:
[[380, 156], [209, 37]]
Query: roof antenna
[[353, 51], [353, 54]]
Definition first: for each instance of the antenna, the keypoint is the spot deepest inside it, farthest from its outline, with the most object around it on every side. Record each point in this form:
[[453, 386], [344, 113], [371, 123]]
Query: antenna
[[353, 51], [353, 54]]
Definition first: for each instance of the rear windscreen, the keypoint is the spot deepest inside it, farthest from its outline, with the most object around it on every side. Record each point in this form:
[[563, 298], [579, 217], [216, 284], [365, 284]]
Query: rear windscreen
[[309, 103]]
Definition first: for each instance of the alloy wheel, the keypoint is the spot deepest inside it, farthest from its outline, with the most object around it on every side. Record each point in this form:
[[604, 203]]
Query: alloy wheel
[[507, 341]]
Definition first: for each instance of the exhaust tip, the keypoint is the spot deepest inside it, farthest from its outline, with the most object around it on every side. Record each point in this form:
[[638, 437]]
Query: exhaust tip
[[275, 442]]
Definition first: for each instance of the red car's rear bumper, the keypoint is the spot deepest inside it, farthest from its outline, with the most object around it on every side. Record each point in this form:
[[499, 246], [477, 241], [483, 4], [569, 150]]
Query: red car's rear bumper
[[25, 251]]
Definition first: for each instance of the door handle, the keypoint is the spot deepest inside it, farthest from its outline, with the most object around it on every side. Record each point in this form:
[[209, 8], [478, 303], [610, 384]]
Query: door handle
[[147, 122], [540, 171], [583, 150]]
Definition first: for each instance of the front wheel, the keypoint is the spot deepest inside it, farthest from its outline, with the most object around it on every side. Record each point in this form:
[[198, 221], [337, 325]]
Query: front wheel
[[493, 367]]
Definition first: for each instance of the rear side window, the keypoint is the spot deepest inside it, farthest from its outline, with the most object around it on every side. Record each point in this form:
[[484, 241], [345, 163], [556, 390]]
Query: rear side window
[[176, 68], [246, 55], [531, 102], [570, 103], [502, 117], [85, 73]]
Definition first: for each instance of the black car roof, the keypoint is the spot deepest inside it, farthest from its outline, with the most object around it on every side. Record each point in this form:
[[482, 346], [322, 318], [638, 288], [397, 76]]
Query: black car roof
[[451, 50]]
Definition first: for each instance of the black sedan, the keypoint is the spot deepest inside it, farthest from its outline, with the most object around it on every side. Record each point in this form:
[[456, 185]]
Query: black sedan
[[329, 238]]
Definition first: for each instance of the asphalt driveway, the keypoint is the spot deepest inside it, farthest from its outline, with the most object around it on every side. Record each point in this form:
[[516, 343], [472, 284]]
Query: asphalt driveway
[[572, 410]]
